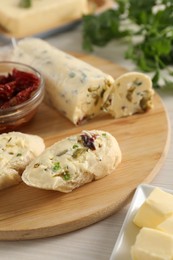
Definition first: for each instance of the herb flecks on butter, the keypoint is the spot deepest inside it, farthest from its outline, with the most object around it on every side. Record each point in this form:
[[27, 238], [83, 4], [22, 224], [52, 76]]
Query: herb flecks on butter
[[130, 92], [36, 165], [56, 166], [63, 152], [137, 82], [145, 102], [75, 146], [78, 152], [66, 176], [72, 74]]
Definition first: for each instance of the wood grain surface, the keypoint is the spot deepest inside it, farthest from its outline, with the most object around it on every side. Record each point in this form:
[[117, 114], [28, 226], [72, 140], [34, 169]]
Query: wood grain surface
[[29, 213]]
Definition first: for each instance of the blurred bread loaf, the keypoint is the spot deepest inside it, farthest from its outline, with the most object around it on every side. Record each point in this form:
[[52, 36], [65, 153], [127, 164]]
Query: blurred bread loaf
[[41, 16]]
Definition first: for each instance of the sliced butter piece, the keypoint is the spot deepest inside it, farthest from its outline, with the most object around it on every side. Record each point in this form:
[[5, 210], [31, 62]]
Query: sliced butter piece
[[43, 15], [74, 161], [17, 150], [152, 244], [156, 208], [132, 93], [73, 87], [166, 225]]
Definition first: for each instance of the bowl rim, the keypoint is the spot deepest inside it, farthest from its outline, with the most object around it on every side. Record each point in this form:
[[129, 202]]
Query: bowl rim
[[36, 93]]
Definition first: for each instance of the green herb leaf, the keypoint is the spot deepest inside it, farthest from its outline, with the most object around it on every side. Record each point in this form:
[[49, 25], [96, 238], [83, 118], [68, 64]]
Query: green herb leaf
[[75, 146], [56, 166], [99, 30], [152, 20], [78, 152], [155, 78], [66, 176]]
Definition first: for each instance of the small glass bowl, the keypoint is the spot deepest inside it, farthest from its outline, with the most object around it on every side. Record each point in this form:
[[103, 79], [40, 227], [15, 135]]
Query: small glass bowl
[[13, 117]]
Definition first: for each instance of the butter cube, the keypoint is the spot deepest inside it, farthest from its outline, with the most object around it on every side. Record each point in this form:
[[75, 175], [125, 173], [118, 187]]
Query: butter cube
[[167, 225], [156, 208], [152, 244]]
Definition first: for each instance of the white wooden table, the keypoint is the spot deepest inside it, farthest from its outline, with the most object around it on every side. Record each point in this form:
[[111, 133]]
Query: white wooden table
[[95, 242]]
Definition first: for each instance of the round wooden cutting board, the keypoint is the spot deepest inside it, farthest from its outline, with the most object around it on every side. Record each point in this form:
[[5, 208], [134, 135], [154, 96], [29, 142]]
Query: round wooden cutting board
[[28, 213]]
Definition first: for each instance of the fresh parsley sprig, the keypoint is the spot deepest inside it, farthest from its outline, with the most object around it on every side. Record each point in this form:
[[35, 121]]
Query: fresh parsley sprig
[[149, 20]]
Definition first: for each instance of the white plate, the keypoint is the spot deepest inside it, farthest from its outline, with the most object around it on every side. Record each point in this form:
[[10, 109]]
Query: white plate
[[129, 230]]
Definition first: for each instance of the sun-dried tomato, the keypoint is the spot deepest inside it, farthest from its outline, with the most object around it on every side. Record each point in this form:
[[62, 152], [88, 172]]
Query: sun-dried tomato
[[88, 141], [17, 87], [7, 90]]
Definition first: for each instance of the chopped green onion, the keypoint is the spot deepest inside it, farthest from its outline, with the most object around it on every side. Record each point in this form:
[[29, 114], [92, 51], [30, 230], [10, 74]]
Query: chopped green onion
[[66, 176], [56, 166], [78, 152], [75, 146]]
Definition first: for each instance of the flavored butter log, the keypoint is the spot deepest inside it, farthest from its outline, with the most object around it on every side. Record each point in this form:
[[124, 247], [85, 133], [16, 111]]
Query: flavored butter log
[[74, 161], [132, 93], [41, 16], [73, 87]]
